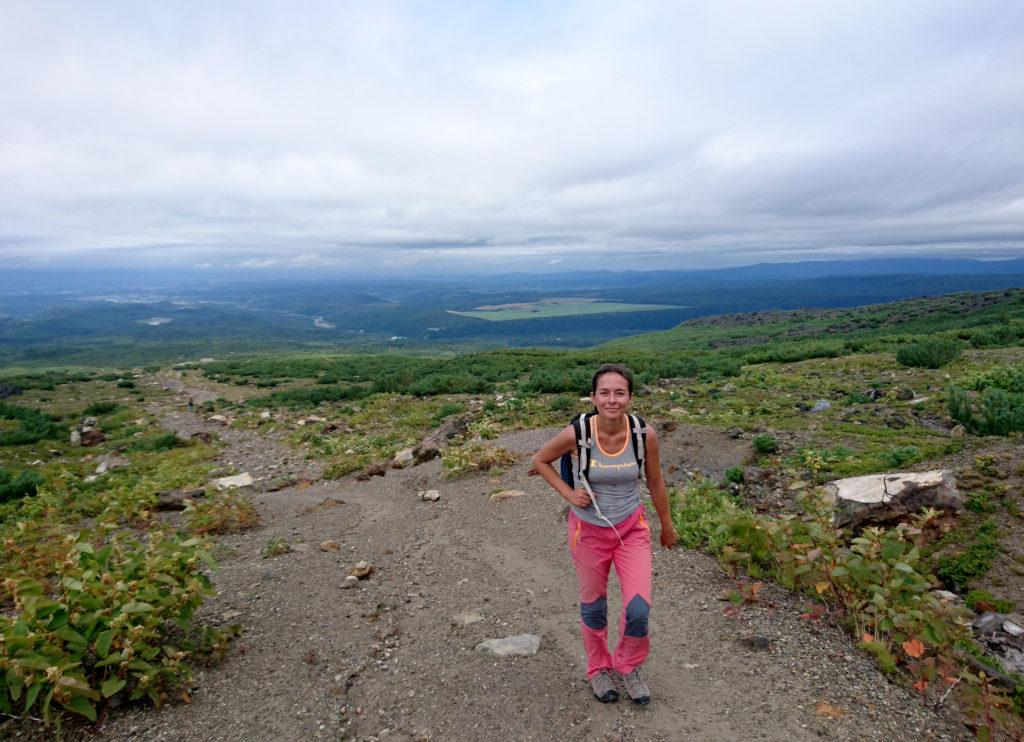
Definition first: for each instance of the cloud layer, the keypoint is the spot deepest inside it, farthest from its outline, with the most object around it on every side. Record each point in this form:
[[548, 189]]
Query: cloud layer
[[436, 136]]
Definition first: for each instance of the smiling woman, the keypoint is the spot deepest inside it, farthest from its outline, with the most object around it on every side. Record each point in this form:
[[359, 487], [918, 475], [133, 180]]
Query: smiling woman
[[607, 525]]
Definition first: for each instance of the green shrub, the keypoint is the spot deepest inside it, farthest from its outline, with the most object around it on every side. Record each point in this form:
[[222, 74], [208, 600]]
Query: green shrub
[[734, 474], [33, 426], [993, 412], [446, 410], [976, 597], [126, 384], [1009, 378], [299, 398], [696, 512], [930, 353], [903, 455], [14, 487], [956, 570], [100, 408], [118, 622], [162, 442], [764, 443], [460, 460], [562, 404]]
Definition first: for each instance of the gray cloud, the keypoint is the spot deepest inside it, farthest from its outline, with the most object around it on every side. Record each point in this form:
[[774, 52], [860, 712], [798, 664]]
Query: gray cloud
[[484, 138]]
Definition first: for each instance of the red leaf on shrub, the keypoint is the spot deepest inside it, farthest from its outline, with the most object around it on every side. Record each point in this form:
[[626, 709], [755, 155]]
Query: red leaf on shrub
[[913, 648], [921, 685], [867, 638]]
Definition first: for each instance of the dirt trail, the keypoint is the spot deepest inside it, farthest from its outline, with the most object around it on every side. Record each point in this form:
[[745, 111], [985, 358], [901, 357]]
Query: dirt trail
[[385, 661]]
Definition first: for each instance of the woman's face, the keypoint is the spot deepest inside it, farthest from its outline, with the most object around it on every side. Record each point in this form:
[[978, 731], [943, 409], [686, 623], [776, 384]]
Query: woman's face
[[611, 397]]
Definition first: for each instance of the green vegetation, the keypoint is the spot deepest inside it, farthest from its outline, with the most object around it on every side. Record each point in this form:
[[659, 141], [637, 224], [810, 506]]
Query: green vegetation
[[470, 457], [100, 408], [764, 443], [33, 425], [16, 486], [930, 353], [974, 561]]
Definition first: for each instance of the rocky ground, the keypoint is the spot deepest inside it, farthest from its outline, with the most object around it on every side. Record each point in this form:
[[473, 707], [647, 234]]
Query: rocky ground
[[395, 657]]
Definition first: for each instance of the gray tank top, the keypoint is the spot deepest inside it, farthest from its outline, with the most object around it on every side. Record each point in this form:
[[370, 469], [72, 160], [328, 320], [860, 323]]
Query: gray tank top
[[615, 479]]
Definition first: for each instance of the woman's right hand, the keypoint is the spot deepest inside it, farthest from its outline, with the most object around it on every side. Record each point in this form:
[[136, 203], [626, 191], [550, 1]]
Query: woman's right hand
[[578, 497]]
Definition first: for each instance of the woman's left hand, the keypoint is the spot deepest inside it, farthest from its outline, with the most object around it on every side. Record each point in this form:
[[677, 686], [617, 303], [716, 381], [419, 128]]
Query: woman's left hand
[[668, 536]]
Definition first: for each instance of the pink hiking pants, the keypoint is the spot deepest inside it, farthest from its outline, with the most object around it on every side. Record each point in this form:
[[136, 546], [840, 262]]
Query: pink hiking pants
[[594, 549]]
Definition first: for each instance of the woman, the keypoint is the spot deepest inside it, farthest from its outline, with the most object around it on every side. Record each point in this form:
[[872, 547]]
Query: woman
[[613, 530]]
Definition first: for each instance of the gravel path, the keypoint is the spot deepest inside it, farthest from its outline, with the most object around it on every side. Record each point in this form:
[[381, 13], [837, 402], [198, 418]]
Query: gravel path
[[387, 661]]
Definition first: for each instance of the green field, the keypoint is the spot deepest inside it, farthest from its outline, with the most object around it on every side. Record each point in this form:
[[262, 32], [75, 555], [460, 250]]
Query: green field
[[557, 308]]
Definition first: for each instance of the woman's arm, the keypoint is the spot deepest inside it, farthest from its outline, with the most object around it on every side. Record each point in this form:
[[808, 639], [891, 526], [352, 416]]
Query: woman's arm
[[554, 449], [656, 486]]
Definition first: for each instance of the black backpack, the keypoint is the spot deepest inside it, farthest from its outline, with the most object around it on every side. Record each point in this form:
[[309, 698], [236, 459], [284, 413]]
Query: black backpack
[[584, 442]]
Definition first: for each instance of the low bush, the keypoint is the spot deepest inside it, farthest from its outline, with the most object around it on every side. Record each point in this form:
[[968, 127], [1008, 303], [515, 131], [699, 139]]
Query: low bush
[[299, 398], [734, 475], [163, 442], [930, 353], [100, 408], [992, 412], [764, 443], [117, 624], [475, 456], [33, 425], [222, 512], [562, 404], [956, 570], [902, 455], [14, 487]]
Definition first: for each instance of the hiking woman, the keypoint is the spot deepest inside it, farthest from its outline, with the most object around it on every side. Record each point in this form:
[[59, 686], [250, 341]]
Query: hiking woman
[[607, 525]]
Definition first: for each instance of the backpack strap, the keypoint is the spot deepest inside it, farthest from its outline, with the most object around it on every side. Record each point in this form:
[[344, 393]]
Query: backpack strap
[[638, 435], [581, 423]]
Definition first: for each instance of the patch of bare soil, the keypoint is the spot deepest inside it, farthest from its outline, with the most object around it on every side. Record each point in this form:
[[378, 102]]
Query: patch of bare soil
[[388, 660]]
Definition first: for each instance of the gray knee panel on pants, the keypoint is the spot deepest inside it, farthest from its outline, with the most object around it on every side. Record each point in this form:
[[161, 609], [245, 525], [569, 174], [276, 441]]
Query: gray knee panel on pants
[[595, 615], [637, 612]]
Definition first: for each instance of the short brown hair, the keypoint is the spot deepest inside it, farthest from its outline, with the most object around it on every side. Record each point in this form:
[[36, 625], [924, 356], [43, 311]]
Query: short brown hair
[[613, 368]]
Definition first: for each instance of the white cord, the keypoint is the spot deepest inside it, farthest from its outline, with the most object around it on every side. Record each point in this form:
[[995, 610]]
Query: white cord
[[597, 509]]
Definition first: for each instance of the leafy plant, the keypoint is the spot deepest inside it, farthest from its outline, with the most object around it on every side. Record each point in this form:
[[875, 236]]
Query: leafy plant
[[118, 622], [734, 475], [902, 455], [974, 561], [33, 425], [162, 442], [930, 353], [23, 484], [474, 456], [765, 444], [100, 408], [276, 547], [223, 512]]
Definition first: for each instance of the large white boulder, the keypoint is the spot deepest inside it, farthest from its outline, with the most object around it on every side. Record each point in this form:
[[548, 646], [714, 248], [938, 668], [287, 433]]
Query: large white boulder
[[878, 498]]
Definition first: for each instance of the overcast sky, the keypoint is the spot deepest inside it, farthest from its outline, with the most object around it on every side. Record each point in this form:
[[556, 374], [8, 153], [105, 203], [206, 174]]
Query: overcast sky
[[433, 136]]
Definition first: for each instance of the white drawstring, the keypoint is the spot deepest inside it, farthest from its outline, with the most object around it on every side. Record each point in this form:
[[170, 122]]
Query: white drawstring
[[597, 509]]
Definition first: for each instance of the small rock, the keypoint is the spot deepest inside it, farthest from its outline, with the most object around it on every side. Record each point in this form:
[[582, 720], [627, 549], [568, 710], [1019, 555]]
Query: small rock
[[217, 419], [76, 438], [1012, 629], [90, 422], [735, 433], [756, 643], [510, 646], [429, 495], [373, 470], [175, 499], [329, 545], [92, 437], [467, 619], [506, 495], [402, 459], [350, 582], [958, 432], [111, 461], [265, 415], [202, 436], [904, 395], [821, 405], [987, 623], [239, 480], [301, 547], [362, 570], [946, 595]]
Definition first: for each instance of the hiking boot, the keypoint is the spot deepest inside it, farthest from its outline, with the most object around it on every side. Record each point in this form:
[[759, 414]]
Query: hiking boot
[[636, 687], [604, 687]]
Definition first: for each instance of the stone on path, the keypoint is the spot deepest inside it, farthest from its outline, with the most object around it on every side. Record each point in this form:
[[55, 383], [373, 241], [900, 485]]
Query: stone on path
[[350, 582], [429, 495], [217, 419], [511, 646], [329, 545], [239, 480], [92, 437], [362, 570], [506, 495], [878, 498], [468, 618]]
